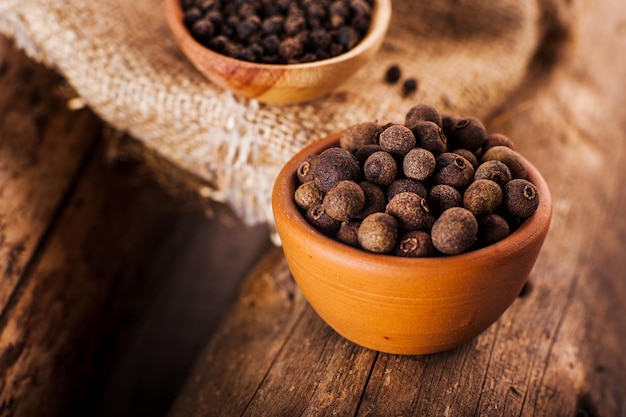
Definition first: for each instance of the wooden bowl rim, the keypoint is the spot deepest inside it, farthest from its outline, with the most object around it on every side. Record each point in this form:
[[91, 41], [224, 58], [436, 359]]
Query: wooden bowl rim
[[378, 29], [283, 204]]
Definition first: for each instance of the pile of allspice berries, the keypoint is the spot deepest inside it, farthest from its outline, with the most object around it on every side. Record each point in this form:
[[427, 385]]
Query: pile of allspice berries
[[436, 185]]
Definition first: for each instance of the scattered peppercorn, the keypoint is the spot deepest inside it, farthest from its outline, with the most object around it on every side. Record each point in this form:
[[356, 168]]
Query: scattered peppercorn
[[409, 86], [393, 74]]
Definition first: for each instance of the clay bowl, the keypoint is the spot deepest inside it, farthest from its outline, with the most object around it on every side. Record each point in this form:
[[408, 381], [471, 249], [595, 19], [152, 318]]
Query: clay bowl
[[405, 305], [279, 84]]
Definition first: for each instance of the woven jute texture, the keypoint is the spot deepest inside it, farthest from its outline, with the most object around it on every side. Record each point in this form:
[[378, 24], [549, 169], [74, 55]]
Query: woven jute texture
[[120, 56]]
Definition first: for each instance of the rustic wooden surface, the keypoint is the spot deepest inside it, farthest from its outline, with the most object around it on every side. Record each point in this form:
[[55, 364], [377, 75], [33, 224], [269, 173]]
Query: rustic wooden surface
[[559, 349], [108, 287]]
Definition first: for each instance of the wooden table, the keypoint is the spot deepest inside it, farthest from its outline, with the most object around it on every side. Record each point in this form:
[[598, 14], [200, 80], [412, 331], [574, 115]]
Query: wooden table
[[559, 349], [78, 239]]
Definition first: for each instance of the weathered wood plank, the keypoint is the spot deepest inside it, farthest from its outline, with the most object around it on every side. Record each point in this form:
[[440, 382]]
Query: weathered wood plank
[[42, 146], [558, 350]]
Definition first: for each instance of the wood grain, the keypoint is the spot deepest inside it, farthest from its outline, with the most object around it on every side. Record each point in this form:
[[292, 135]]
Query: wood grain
[[42, 147], [558, 351]]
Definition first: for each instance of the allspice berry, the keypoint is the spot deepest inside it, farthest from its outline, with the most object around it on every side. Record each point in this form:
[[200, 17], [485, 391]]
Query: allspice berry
[[397, 140], [468, 133], [380, 168], [333, 165], [348, 233], [497, 139], [493, 170], [344, 200], [308, 195], [364, 152], [482, 197], [356, 136], [411, 211], [430, 136], [521, 198], [491, 229], [442, 197], [421, 113], [320, 220], [454, 231], [406, 185], [375, 199], [418, 164], [513, 160], [415, 244], [452, 169], [378, 233], [467, 154], [304, 171]]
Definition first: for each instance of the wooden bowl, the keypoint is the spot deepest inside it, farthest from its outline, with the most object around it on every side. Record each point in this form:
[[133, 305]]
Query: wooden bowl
[[405, 305], [279, 84]]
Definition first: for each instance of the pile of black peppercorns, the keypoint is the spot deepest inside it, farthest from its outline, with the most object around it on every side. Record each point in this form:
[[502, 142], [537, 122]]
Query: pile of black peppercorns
[[278, 31], [437, 184]]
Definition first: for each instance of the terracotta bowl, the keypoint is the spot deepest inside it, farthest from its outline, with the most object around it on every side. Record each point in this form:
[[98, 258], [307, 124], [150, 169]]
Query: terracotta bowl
[[280, 84], [405, 305]]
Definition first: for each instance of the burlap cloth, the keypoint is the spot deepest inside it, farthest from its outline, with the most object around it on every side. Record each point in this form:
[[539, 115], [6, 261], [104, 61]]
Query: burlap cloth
[[120, 56]]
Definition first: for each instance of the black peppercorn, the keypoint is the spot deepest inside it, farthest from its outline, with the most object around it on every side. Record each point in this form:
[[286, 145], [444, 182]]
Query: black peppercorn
[[393, 74]]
